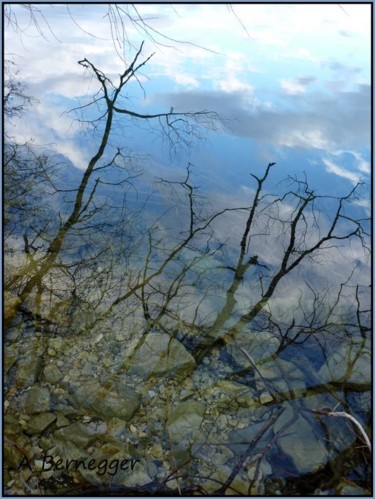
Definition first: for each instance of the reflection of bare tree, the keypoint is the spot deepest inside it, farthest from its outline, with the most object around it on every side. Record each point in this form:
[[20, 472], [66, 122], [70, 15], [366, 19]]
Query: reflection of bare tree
[[84, 219], [302, 239], [98, 262]]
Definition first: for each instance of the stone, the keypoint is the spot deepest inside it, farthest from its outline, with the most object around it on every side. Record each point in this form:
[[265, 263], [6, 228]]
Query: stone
[[12, 456], [78, 433], [88, 369], [66, 449], [238, 486], [37, 400], [39, 423], [39, 464], [239, 440], [180, 456], [10, 356], [52, 373], [259, 345], [116, 427], [12, 333], [303, 441], [57, 344], [10, 305], [185, 420], [350, 362], [265, 397], [221, 422], [111, 449], [258, 470], [218, 459], [16, 446], [230, 395], [160, 354], [28, 370], [109, 400], [44, 442], [137, 478], [100, 427], [347, 488], [280, 376], [98, 338]]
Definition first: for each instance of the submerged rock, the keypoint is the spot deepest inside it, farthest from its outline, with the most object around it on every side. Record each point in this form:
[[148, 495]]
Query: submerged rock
[[37, 400], [11, 303], [259, 345], [237, 486], [185, 420], [57, 344], [10, 356], [280, 376], [108, 400], [28, 370], [303, 441], [347, 488], [137, 478], [116, 427], [52, 373], [239, 440], [160, 354], [350, 362], [39, 423], [229, 395], [16, 444], [77, 433]]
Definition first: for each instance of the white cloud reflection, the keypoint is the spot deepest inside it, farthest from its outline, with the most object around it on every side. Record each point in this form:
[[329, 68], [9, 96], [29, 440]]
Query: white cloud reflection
[[341, 172], [283, 81]]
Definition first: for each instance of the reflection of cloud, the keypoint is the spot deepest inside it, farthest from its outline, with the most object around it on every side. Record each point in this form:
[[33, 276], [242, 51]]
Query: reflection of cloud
[[309, 139], [341, 68], [303, 54], [359, 167], [291, 86], [185, 79], [318, 122], [343, 75], [362, 165], [341, 172], [54, 130], [296, 85], [73, 153], [233, 84], [71, 85], [306, 80], [365, 204]]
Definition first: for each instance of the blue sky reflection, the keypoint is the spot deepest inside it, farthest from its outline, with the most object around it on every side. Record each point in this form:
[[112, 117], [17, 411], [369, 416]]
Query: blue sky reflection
[[292, 82]]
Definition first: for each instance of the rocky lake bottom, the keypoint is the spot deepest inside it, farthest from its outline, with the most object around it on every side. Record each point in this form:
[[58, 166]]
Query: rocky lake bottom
[[120, 414]]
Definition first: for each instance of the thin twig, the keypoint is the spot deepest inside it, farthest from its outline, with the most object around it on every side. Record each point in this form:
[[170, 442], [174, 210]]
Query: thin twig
[[327, 412]]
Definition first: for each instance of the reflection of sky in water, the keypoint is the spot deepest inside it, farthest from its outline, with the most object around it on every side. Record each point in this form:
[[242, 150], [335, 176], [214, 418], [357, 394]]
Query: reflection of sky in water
[[289, 92], [292, 85]]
